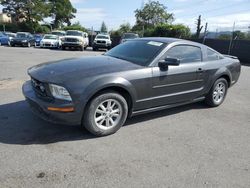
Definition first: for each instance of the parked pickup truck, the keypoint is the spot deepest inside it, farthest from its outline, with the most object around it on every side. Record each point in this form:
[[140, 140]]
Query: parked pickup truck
[[75, 39]]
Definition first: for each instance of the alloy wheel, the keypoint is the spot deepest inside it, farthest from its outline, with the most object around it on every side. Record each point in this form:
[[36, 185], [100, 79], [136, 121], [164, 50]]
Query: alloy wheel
[[219, 92], [108, 114]]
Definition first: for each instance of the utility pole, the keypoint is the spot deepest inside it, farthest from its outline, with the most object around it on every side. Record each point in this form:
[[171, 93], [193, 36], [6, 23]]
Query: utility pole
[[231, 40], [199, 27], [205, 34]]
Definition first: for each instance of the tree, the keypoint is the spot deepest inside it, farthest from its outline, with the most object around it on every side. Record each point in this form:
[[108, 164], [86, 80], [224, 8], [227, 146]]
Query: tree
[[62, 11], [199, 27], [167, 30], [26, 10], [152, 14], [125, 28], [104, 28], [75, 26]]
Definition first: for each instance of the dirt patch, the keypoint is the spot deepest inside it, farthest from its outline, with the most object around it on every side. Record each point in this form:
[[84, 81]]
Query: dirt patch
[[8, 83]]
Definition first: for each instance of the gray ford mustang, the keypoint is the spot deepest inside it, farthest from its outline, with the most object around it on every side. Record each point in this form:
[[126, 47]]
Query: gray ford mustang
[[136, 77]]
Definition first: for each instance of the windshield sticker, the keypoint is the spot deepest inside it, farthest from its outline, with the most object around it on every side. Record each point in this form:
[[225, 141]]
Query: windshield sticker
[[155, 43]]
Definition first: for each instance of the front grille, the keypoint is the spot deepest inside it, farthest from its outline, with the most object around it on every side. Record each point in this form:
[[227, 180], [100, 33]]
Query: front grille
[[71, 40], [101, 42]]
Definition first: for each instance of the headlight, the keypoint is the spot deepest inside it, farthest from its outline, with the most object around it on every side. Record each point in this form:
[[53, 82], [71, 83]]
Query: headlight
[[59, 92]]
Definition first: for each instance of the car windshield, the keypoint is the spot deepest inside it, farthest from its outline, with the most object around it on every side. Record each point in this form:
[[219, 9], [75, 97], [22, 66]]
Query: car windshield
[[50, 37], [11, 34], [73, 33], [138, 52], [58, 33], [21, 35], [130, 36], [102, 37]]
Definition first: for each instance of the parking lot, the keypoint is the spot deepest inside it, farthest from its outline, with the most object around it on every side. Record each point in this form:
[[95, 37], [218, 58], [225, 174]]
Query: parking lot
[[189, 146]]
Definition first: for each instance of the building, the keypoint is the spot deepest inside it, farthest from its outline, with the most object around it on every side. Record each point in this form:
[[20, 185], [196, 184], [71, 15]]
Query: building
[[4, 18]]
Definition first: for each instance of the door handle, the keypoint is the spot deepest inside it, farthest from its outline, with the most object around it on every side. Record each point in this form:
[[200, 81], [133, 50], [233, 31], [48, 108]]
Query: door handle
[[200, 70]]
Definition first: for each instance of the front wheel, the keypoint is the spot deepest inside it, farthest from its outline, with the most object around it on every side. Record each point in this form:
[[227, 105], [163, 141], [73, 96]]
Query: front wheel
[[105, 114], [218, 93]]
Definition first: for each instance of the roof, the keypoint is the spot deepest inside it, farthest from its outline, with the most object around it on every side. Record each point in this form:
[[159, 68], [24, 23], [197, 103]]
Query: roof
[[171, 40], [162, 39]]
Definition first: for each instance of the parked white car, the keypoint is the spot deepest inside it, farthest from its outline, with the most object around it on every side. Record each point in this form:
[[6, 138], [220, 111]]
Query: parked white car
[[75, 39], [102, 41], [50, 41]]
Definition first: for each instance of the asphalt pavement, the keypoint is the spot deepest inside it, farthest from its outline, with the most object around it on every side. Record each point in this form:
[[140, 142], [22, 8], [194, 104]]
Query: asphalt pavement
[[190, 146]]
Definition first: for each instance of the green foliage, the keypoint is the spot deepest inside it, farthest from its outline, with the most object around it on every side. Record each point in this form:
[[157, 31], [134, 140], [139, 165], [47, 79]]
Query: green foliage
[[26, 10], [225, 37], [152, 14], [237, 35], [168, 30], [75, 26], [115, 33], [62, 11], [125, 28], [104, 28]]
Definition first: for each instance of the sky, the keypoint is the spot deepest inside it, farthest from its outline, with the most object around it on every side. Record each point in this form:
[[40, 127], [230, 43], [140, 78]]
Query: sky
[[219, 15]]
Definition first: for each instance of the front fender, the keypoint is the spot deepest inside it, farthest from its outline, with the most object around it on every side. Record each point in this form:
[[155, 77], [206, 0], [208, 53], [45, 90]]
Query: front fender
[[106, 82]]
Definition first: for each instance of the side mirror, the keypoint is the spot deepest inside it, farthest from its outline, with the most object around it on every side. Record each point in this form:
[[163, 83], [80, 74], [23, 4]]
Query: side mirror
[[163, 64]]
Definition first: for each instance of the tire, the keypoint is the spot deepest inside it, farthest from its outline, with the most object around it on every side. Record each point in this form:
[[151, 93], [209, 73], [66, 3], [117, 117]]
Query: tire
[[63, 48], [217, 94], [94, 49], [104, 125], [81, 48], [0, 43], [85, 48]]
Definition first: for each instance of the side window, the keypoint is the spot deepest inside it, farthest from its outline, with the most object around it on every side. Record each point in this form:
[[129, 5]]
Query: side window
[[185, 53], [212, 55]]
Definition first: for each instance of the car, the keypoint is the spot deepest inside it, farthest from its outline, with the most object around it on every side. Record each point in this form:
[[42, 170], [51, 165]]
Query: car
[[38, 38], [102, 41], [128, 36], [24, 39], [4, 39], [50, 41], [76, 40], [136, 77], [59, 33]]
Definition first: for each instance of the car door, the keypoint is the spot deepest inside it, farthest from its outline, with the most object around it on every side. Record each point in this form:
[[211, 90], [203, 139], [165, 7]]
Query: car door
[[178, 83]]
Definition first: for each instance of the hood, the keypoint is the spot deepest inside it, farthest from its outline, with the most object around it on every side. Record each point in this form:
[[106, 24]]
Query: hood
[[49, 40], [79, 68], [20, 39], [74, 37]]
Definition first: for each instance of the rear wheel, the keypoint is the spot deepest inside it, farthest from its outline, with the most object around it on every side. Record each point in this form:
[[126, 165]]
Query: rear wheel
[[105, 114], [218, 93]]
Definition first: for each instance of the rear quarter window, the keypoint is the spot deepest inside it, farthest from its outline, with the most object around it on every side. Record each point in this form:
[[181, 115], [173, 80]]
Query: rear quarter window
[[213, 55]]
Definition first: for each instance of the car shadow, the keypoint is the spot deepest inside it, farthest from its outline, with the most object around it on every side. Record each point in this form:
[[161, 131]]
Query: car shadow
[[20, 127]]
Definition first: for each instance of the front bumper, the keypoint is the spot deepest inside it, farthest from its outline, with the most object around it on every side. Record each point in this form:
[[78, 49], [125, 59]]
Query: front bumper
[[72, 45], [101, 45], [39, 107], [19, 43], [49, 45]]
